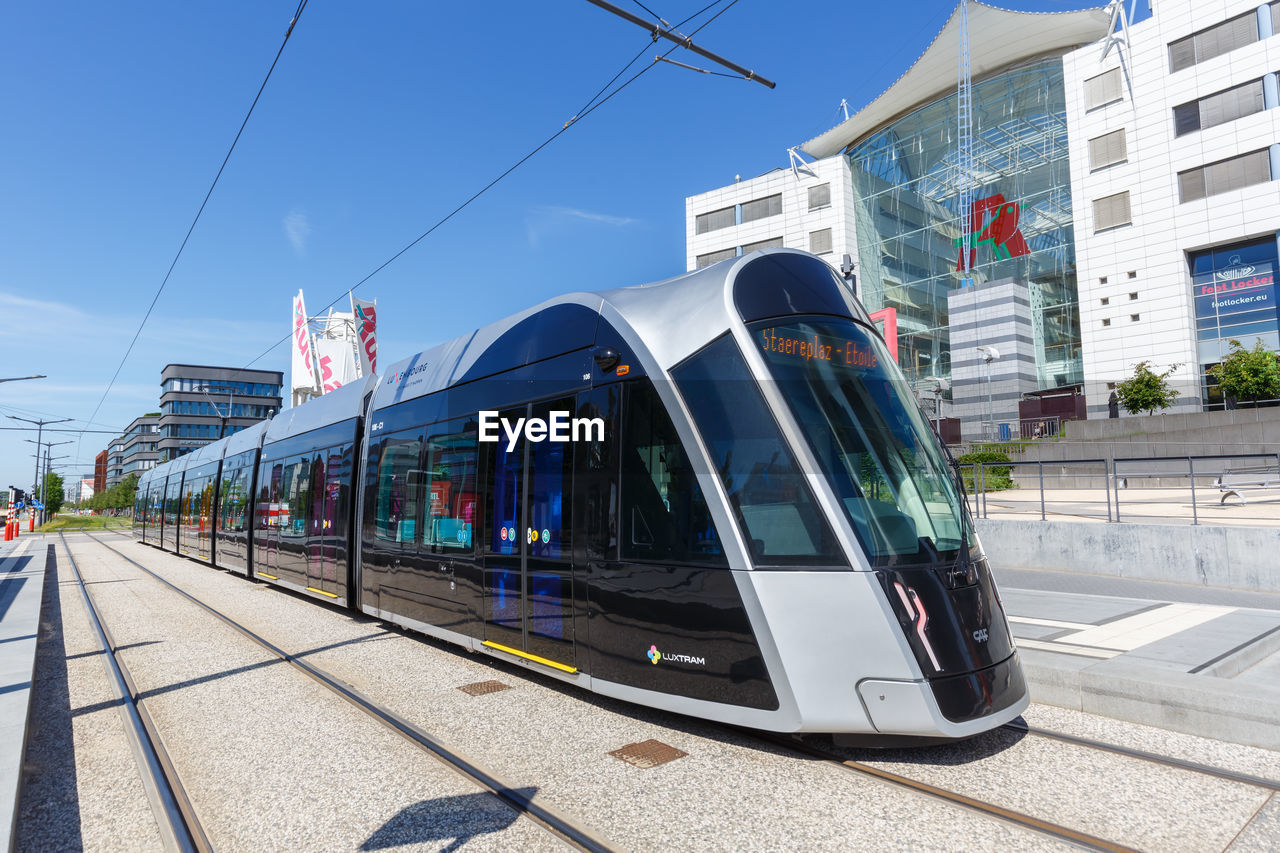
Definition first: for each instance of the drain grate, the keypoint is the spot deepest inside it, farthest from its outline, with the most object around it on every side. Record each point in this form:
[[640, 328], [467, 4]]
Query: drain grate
[[648, 753], [480, 688]]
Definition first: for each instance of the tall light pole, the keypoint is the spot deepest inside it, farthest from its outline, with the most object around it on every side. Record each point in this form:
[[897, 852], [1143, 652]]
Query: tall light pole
[[44, 491], [39, 435], [989, 354]]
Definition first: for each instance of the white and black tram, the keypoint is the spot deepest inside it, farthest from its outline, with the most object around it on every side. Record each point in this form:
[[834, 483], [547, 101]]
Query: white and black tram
[[714, 495]]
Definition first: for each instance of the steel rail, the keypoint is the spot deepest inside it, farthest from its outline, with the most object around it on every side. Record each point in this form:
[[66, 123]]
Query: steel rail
[[1154, 758], [176, 817], [1026, 821], [561, 826]]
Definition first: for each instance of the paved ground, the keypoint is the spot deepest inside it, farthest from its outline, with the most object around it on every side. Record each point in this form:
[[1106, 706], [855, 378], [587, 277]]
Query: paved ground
[[1159, 506], [274, 762]]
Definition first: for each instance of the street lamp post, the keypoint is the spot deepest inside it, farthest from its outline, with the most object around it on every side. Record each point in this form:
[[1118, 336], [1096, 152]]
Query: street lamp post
[[989, 354], [44, 481], [39, 435]]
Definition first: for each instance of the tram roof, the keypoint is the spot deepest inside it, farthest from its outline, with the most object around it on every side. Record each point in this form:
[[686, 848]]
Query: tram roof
[[998, 38], [693, 302], [333, 407]]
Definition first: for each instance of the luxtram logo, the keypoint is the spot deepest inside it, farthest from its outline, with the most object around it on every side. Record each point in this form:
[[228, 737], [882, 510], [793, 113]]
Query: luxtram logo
[[654, 656]]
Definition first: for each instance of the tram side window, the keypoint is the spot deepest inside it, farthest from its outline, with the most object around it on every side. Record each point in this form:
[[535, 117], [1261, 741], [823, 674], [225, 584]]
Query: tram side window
[[664, 514], [768, 491], [399, 488], [450, 489]]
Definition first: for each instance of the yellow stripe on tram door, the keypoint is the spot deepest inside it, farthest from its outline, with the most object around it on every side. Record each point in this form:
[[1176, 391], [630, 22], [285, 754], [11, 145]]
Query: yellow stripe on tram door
[[321, 591], [265, 575], [544, 661]]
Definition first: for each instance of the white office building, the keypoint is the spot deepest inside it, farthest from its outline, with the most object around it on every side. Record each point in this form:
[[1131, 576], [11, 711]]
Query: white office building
[[1123, 206]]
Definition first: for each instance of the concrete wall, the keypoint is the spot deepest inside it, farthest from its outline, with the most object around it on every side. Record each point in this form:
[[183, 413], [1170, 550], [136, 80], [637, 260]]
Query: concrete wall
[[1220, 556]]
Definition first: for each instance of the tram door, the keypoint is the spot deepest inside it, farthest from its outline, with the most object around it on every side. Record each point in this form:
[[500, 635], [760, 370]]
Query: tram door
[[528, 575], [326, 526]]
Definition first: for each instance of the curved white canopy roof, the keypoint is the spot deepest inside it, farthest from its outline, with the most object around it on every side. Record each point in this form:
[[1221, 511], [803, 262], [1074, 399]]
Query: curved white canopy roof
[[997, 38]]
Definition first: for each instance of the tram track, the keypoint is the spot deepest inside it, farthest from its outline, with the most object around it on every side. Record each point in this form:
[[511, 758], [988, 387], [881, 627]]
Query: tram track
[[558, 824], [1142, 755], [176, 818], [991, 810], [1017, 816]]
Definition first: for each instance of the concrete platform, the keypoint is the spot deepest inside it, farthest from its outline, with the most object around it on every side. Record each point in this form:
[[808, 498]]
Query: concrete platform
[[22, 565], [1180, 657]]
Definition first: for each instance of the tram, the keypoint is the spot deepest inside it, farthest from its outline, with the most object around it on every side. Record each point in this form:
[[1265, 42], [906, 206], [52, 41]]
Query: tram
[[755, 523]]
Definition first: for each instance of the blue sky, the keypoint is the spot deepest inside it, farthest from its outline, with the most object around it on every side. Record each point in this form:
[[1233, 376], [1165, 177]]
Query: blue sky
[[380, 119]]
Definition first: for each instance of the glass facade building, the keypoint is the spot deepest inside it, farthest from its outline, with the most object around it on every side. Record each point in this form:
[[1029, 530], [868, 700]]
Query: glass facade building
[[908, 218]]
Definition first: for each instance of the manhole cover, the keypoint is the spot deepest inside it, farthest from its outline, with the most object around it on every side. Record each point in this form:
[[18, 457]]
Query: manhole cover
[[648, 753], [480, 688]]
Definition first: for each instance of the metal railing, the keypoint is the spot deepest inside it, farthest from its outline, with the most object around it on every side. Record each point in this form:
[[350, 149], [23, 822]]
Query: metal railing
[[1106, 480]]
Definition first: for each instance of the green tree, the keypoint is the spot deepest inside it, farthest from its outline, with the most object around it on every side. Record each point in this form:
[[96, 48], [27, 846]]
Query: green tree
[[1147, 391], [1248, 374], [52, 492]]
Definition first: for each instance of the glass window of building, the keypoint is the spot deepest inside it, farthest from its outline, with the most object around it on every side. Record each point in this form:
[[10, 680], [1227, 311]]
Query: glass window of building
[[762, 207], [1214, 41], [1108, 149], [820, 241], [1234, 288], [1103, 89], [819, 196], [716, 257], [1219, 108], [715, 220], [907, 217], [1111, 211], [1225, 175], [771, 243]]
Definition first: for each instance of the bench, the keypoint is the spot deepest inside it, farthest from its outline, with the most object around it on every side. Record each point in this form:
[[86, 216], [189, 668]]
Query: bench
[[1234, 482]]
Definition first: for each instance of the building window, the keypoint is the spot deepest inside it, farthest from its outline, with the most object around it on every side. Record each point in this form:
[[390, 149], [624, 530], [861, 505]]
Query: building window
[[716, 257], [1111, 211], [1107, 150], [771, 243], [1102, 90], [1106, 300], [1133, 318], [819, 196], [1214, 41], [1102, 280], [1133, 273], [715, 220], [1106, 322], [1218, 108], [820, 241], [1133, 295], [1225, 175], [762, 207]]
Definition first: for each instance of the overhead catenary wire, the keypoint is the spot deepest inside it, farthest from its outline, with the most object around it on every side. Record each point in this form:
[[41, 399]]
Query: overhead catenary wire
[[598, 102], [302, 4]]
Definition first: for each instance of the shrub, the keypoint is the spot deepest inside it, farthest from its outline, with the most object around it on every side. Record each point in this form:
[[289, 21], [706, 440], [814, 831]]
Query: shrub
[[995, 476]]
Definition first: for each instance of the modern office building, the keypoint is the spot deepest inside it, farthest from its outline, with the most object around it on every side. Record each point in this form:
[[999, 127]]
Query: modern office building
[[1113, 170], [199, 404], [135, 450]]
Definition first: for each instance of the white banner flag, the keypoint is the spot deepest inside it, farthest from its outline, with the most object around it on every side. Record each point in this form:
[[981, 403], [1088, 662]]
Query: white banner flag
[[337, 363], [304, 371], [366, 314]]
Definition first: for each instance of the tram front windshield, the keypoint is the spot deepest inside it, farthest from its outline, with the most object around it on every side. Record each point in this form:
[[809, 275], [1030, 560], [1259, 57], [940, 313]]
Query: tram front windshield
[[870, 440]]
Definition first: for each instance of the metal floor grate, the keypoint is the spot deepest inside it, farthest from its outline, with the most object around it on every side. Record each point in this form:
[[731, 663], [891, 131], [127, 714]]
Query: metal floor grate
[[648, 753], [480, 688]]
